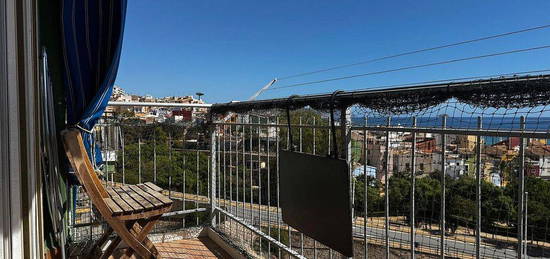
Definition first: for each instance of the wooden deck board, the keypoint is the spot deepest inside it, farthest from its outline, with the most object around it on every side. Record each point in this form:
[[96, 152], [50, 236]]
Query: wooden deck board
[[201, 247]]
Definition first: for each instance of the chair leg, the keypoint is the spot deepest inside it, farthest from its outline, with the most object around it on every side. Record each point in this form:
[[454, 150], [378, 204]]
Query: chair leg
[[111, 248], [130, 239], [114, 244], [147, 243], [99, 243], [140, 231]]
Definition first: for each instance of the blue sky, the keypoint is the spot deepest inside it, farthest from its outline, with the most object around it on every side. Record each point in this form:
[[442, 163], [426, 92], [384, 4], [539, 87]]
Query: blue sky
[[230, 49]]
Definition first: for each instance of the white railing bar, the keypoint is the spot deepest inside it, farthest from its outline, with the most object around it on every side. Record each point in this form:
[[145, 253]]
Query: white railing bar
[[452, 131], [260, 233]]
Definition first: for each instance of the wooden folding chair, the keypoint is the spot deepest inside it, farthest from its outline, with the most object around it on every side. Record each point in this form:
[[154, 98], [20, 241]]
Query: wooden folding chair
[[131, 211]]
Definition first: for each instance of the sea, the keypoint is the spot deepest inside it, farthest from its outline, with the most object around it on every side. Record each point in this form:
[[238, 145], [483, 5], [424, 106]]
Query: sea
[[539, 124]]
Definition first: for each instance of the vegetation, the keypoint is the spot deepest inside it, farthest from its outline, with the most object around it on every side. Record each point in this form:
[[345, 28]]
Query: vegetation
[[162, 147], [498, 204]]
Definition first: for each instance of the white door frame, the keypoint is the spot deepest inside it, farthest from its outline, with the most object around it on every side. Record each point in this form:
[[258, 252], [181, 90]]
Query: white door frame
[[20, 194]]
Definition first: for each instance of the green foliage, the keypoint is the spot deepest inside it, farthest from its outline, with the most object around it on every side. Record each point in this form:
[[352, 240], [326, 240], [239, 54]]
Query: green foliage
[[309, 117], [374, 199], [171, 161], [498, 204]]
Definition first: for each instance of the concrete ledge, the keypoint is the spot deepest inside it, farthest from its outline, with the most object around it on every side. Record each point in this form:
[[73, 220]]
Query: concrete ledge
[[214, 236]]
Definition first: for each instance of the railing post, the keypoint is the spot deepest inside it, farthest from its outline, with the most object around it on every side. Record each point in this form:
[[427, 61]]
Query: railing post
[[314, 137], [139, 160], [213, 171], [365, 202], [386, 193], [526, 226], [443, 172], [345, 121], [155, 157], [170, 173], [259, 182], [123, 158], [197, 187], [314, 149], [521, 189], [231, 208], [300, 146], [413, 183], [183, 191], [244, 172], [251, 181], [478, 189], [277, 141], [301, 130]]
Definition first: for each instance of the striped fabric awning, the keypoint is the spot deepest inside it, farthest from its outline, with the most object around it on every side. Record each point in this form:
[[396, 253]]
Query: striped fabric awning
[[92, 34]]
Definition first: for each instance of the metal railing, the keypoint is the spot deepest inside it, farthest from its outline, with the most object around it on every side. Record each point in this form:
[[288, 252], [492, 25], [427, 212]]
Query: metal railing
[[445, 181], [248, 151]]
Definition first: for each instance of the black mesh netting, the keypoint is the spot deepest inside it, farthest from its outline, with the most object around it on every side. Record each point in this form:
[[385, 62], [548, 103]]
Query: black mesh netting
[[514, 92]]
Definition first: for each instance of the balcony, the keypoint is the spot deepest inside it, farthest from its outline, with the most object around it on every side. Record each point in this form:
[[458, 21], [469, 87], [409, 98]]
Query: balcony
[[451, 167]]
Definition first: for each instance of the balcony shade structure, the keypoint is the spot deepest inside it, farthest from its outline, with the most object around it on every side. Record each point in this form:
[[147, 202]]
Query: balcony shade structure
[[92, 33], [512, 92]]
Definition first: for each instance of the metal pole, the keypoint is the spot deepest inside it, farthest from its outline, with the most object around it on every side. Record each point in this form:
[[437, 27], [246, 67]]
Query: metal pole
[[314, 147], [278, 204], [365, 203], [208, 164], [197, 189], [301, 234], [413, 189], [237, 170], [107, 150], [184, 185], [251, 180], [443, 172], [526, 225], [289, 230], [169, 186], [329, 136], [314, 136], [300, 134], [345, 121], [213, 168], [521, 189], [155, 157], [170, 154], [231, 209], [259, 182], [123, 159], [478, 189], [386, 196], [218, 173], [268, 191], [139, 160], [244, 172], [224, 171]]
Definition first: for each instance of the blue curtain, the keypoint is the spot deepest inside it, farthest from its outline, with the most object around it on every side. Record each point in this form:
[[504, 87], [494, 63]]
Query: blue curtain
[[92, 33]]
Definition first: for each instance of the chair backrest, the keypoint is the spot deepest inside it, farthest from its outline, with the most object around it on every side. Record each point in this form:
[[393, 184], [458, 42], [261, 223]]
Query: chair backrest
[[80, 161]]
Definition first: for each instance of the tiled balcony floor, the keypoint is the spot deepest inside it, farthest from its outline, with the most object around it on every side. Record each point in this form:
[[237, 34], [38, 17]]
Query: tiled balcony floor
[[196, 248], [201, 247]]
